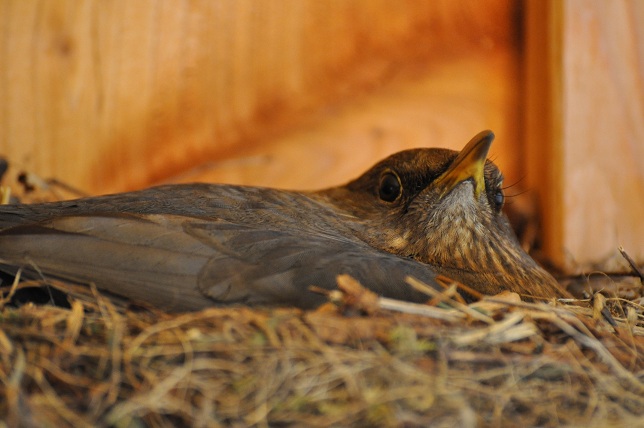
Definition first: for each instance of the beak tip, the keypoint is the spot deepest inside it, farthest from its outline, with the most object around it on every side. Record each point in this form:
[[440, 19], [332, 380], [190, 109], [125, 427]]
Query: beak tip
[[487, 136]]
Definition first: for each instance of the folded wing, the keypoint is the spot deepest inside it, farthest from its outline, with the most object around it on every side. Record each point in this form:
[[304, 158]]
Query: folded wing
[[234, 245], [278, 267]]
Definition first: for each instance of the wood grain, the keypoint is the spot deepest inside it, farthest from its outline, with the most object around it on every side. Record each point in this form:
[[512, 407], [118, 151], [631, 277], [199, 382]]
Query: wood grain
[[118, 95], [586, 127], [441, 108]]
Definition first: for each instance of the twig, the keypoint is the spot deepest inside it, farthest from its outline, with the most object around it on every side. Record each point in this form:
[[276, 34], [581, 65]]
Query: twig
[[12, 290], [631, 262], [424, 288], [583, 336], [420, 309], [446, 281], [509, 329]]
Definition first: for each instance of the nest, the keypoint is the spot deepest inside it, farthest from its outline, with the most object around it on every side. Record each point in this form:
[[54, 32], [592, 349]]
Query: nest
[[360, 360]]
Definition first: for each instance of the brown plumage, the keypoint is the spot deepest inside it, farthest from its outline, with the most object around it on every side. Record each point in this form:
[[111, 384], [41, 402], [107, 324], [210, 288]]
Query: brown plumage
[[421, 212]]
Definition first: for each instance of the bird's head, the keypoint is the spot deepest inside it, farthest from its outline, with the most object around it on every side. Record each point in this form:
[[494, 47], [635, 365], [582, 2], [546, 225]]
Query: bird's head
[[444, 208]]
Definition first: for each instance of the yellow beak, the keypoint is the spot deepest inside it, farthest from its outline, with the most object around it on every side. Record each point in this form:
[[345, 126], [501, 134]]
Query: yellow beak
[[469, 163]]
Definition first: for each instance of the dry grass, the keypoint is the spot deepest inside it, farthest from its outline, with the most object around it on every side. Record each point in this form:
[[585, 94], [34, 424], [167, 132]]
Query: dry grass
[[354, 364]]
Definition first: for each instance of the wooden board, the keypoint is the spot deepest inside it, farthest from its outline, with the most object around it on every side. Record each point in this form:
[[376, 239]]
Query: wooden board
[[122, 94], [443, 107], [585, 127]]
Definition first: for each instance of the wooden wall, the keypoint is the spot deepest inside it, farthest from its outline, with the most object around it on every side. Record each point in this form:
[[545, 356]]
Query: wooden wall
[[585, 127], [117, 95], [121, 94]]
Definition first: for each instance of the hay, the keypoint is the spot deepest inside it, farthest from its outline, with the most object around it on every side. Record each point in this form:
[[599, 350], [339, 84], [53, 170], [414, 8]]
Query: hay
[[353, 363]]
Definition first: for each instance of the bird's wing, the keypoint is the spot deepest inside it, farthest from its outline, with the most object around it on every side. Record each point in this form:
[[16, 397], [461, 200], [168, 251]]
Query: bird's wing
[[265, 266], [144, 258], [181, 263]]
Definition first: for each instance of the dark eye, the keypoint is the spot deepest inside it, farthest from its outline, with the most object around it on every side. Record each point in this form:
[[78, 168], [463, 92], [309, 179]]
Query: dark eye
[[499, 199], [390, 187]]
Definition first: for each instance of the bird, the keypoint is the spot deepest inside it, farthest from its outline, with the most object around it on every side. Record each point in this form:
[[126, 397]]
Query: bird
[[424, 213]]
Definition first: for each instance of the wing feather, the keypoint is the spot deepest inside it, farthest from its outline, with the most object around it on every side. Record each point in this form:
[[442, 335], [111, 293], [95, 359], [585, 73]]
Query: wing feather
[[172, 258], [278, 267]]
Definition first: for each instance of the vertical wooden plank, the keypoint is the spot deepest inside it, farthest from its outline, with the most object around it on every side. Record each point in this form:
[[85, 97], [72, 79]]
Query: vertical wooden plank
[[543, 162], [603, 111], [585, 74]]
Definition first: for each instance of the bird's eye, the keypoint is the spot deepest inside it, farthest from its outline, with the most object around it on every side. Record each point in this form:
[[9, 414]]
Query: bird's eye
[[390, 188], [499, 199]]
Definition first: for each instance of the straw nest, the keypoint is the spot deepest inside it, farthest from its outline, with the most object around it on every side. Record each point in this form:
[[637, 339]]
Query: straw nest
[[357, 361]]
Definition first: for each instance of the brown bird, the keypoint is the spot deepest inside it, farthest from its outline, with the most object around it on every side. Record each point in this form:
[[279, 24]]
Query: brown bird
[[420, 212]]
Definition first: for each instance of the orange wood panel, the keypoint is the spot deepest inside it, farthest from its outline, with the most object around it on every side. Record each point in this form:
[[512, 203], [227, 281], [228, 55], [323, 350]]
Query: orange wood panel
[[115, 95], [441, 107], [585, 127]]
